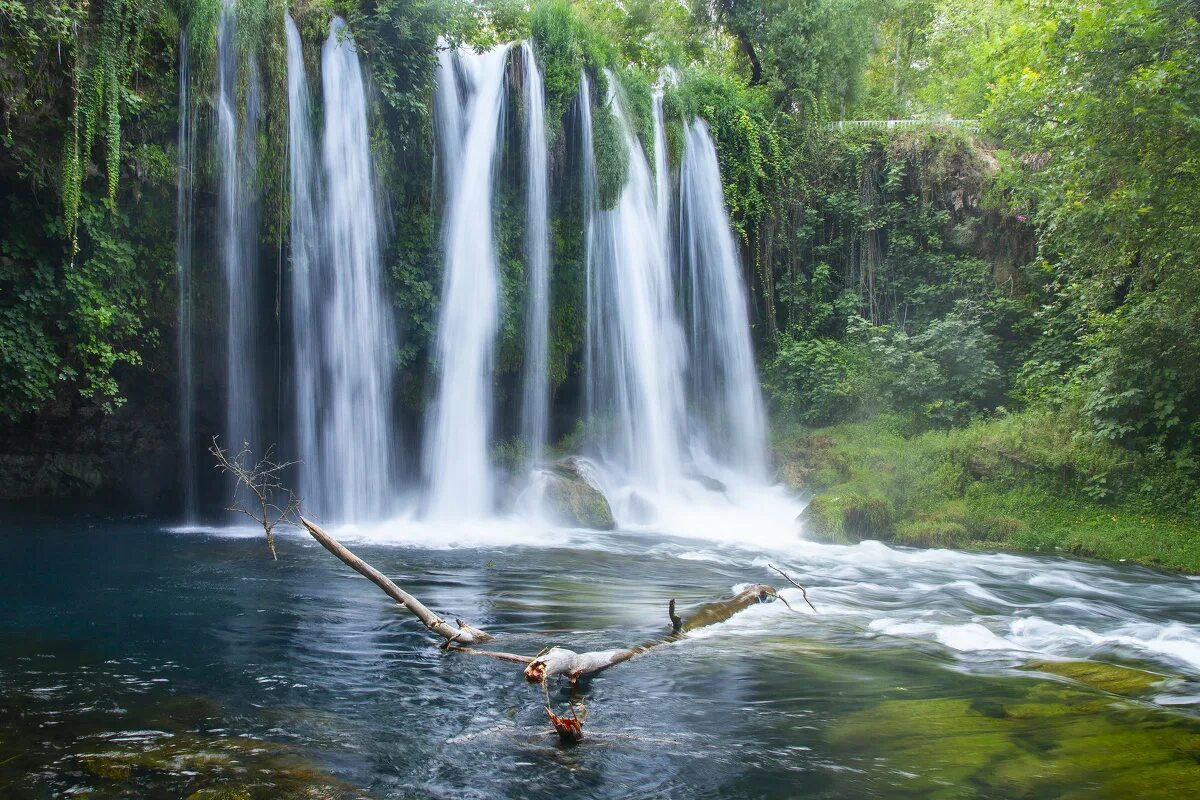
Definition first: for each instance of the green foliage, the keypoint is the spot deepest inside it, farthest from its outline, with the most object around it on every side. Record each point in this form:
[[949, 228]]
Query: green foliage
[[808, 53], [567, 44], [820, 381], [936, 58], [1112, 204], [1142, 381], [750, 148], [612, 155], [1025, 481], [76, 285], [73, 327], [399, 41]]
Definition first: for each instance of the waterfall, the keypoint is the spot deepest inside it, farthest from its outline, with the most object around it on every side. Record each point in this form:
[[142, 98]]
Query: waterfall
[[305, 250], [726, 401], [634, 350], [662, 180], [184, 226], [238, 233], [343, 333], [535, 408], [469, 108]]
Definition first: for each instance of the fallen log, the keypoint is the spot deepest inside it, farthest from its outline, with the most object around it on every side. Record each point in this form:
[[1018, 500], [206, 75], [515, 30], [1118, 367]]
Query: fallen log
[[554, 661], [262, 480], [464, 633], [560, 661]]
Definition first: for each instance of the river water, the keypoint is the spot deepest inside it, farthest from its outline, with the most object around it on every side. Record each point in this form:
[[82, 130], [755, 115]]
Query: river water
[[141, 661]]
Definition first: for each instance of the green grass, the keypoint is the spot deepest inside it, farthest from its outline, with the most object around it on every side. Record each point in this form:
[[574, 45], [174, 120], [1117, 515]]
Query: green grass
[[1021, 481]]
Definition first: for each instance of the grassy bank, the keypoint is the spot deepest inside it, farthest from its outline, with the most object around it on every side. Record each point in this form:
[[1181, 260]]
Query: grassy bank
[[1021, 481]]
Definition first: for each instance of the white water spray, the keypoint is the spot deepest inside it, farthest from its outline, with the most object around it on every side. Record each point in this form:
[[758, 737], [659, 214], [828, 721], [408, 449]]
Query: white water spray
[[469, 113], [634, 356], [343, 326], [726, 403], [238, 233], [536, 393], [184, 227]]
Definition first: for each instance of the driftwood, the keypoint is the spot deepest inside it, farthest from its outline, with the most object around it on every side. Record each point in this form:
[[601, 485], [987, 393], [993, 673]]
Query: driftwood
[[560, 661], [554, 661], [463, 633], [277, 505]]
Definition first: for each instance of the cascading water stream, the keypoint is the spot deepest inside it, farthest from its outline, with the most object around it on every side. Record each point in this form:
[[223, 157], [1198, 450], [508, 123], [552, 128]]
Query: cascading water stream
[[634, 349], [469, 113], [726, 402], [305, 252], [343, 328], [184, 226], [238, 233], [662, 180], [536, 394]]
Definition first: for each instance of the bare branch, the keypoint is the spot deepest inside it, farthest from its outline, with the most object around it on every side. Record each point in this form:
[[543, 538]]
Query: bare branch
[[273, 503], [803, 591]]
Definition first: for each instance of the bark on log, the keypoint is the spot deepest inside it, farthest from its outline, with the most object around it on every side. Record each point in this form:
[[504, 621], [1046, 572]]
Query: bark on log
[[463, 634], [561, 661]]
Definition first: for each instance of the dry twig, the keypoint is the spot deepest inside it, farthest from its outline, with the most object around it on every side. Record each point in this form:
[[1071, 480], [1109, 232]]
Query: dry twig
[[276, 504], [803, 591]]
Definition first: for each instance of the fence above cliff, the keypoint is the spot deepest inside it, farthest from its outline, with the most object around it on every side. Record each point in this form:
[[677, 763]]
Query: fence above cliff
[[966, 124]]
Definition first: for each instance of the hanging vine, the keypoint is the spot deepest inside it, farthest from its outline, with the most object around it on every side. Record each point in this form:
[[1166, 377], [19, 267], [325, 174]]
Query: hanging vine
[[102, 66]]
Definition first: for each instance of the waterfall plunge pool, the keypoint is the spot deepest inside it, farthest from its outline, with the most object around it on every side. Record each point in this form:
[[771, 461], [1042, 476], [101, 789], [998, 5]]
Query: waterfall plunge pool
[[141, 661]]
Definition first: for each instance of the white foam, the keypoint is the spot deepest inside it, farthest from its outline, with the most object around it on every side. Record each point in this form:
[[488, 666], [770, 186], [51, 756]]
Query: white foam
[[969, 637]]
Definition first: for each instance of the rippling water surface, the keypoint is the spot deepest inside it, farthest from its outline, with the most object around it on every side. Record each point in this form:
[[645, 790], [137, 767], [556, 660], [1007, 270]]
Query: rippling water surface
[[141, 661]]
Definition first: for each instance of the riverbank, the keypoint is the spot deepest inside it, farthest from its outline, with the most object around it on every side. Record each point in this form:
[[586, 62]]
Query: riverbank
[[1020, 481]]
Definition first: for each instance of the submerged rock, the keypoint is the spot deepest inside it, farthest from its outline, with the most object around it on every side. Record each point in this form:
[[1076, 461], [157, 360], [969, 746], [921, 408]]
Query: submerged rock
[[1105, 677], [640, 510], [573, 500], [708, 482]]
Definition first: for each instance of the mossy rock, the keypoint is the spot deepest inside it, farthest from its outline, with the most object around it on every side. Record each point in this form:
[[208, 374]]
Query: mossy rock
[[110, 766], [933, 533], [170, 756], [1105, 677], [1055, 741], [794, 475], [941, 743], [847, 518], [822, 519], [222, 793], [574, 501], [709, 482], [997, 529]]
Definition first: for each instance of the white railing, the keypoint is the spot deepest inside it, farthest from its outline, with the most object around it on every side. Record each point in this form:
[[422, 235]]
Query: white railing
[[965, 124]]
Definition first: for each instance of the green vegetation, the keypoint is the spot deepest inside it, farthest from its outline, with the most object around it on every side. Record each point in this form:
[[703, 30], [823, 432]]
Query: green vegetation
[[993, 328], [1024, 481], [1026, 318]]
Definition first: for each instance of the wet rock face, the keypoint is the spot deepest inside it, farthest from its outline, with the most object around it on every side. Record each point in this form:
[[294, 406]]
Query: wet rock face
[[74, 450], [50, 475], [574, 501]]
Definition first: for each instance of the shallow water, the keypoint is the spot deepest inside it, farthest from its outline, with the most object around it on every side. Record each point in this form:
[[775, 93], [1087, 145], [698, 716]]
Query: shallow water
[[137, 661]]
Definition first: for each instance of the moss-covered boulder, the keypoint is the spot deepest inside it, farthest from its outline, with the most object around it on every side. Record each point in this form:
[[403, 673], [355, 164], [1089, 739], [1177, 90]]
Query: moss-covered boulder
[[572, 500], [1105, 677], [847, 517]]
